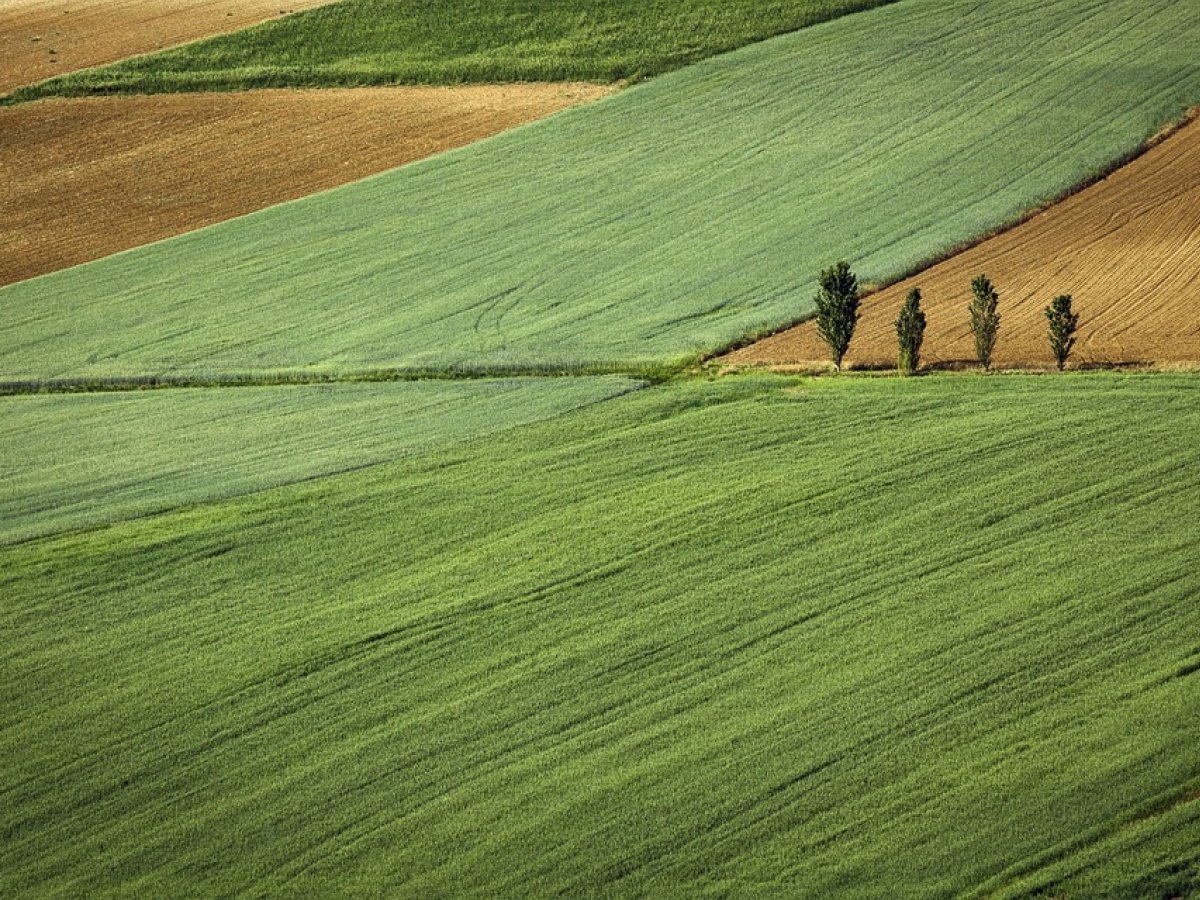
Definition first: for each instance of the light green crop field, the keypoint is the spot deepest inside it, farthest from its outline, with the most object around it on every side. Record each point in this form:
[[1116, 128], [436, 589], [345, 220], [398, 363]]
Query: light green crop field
[[87, 459], [373, 42], [668, 220], [757, 636]]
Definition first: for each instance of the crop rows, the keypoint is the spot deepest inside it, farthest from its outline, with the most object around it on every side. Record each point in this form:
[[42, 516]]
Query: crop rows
[[746, 635], [307, 593], [666, 221], [94, 458]]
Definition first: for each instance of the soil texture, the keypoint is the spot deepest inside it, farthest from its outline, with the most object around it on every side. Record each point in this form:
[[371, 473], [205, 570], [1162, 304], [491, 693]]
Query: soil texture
[[91, 176], [43, 38]]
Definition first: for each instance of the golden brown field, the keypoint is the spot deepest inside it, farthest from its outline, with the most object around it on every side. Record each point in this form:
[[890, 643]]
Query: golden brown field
[[94, 176], [1127, 249]]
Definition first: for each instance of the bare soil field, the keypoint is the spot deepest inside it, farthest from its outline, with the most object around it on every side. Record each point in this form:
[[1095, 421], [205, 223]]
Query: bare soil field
[[89, 177], [1127, 249], [42, 38]]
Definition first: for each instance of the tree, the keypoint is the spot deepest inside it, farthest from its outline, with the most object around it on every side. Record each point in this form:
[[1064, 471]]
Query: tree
[[1063, 324], [837, 309], [985, 321], [910, 331]]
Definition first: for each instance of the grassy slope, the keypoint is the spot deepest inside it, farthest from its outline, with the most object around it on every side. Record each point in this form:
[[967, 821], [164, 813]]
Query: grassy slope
[[671, 218], [838, 637], [72, 461], [361, 42]]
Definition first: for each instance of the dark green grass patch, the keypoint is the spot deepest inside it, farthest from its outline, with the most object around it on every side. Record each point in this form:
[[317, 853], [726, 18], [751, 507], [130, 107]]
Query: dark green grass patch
[[844, 637], [667, 220], [377, 42], [88, 459]]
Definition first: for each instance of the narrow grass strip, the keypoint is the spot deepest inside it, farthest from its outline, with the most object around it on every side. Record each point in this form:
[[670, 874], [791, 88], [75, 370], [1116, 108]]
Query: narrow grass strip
[[649, 372]]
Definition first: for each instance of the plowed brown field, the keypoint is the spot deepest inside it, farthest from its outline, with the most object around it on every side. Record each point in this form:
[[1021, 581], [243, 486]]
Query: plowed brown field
[[42, 38], [1127, 249], [88, 177]]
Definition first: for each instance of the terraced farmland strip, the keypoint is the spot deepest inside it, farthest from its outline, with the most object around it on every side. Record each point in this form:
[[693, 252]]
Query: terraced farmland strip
[[754, 636], [378, 42], [669, 219], [91, 459], [1127, 249], [96, 176], [43, 38]]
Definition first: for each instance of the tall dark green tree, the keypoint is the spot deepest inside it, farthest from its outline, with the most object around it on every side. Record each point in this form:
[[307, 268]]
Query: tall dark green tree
[[1063, 324], [985, 320], [910, 332], [837, 309]]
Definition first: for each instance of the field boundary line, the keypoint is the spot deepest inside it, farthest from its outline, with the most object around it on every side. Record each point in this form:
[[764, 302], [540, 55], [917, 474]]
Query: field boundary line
[[651, 373], [646, 373]]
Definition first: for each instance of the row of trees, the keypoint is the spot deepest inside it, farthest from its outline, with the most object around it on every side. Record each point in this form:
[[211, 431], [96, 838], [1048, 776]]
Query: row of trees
[[837, 314]]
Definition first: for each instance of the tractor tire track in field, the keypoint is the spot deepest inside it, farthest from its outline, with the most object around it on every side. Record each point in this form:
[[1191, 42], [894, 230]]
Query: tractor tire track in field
[[43, 38], [1127, 249], [371, 275], [1034, 876], [152, 167], [584, 723]]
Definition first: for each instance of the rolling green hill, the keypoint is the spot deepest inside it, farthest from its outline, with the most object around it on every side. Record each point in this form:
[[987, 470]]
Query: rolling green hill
[[146, 452], [668, 220], [373, 42], [749, 636], [760, 636]]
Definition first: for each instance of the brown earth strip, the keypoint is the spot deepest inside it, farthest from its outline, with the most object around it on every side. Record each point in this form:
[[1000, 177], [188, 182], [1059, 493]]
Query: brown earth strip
[[1126, 248], [43, 38], [88, 177]]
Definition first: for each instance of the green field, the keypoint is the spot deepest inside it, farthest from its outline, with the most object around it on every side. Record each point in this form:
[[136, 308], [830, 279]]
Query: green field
[[606, 635], [760, 636], [375, 42], [150, 451], [668, 220]]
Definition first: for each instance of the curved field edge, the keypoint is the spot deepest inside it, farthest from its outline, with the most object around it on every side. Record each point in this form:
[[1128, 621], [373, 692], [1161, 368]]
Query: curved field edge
[[1127, 249], [748, 635], [141, 169], [87, 460], [44, 38], [358, 43], [669, 220]]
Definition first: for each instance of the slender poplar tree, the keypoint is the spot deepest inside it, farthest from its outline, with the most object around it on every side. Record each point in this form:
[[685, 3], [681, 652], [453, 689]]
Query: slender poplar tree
[[910, 332], [985, 320], [837, 309], [1063, 324]]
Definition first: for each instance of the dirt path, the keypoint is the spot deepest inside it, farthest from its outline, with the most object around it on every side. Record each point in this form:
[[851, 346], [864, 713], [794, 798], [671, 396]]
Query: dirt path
[[88, 177], [42, 38], [1127, 249]]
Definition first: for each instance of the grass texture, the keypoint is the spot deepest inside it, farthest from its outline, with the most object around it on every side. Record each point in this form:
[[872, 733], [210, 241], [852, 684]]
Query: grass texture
[[668, 220], [379, 42], [87, 459], [758, 636]]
